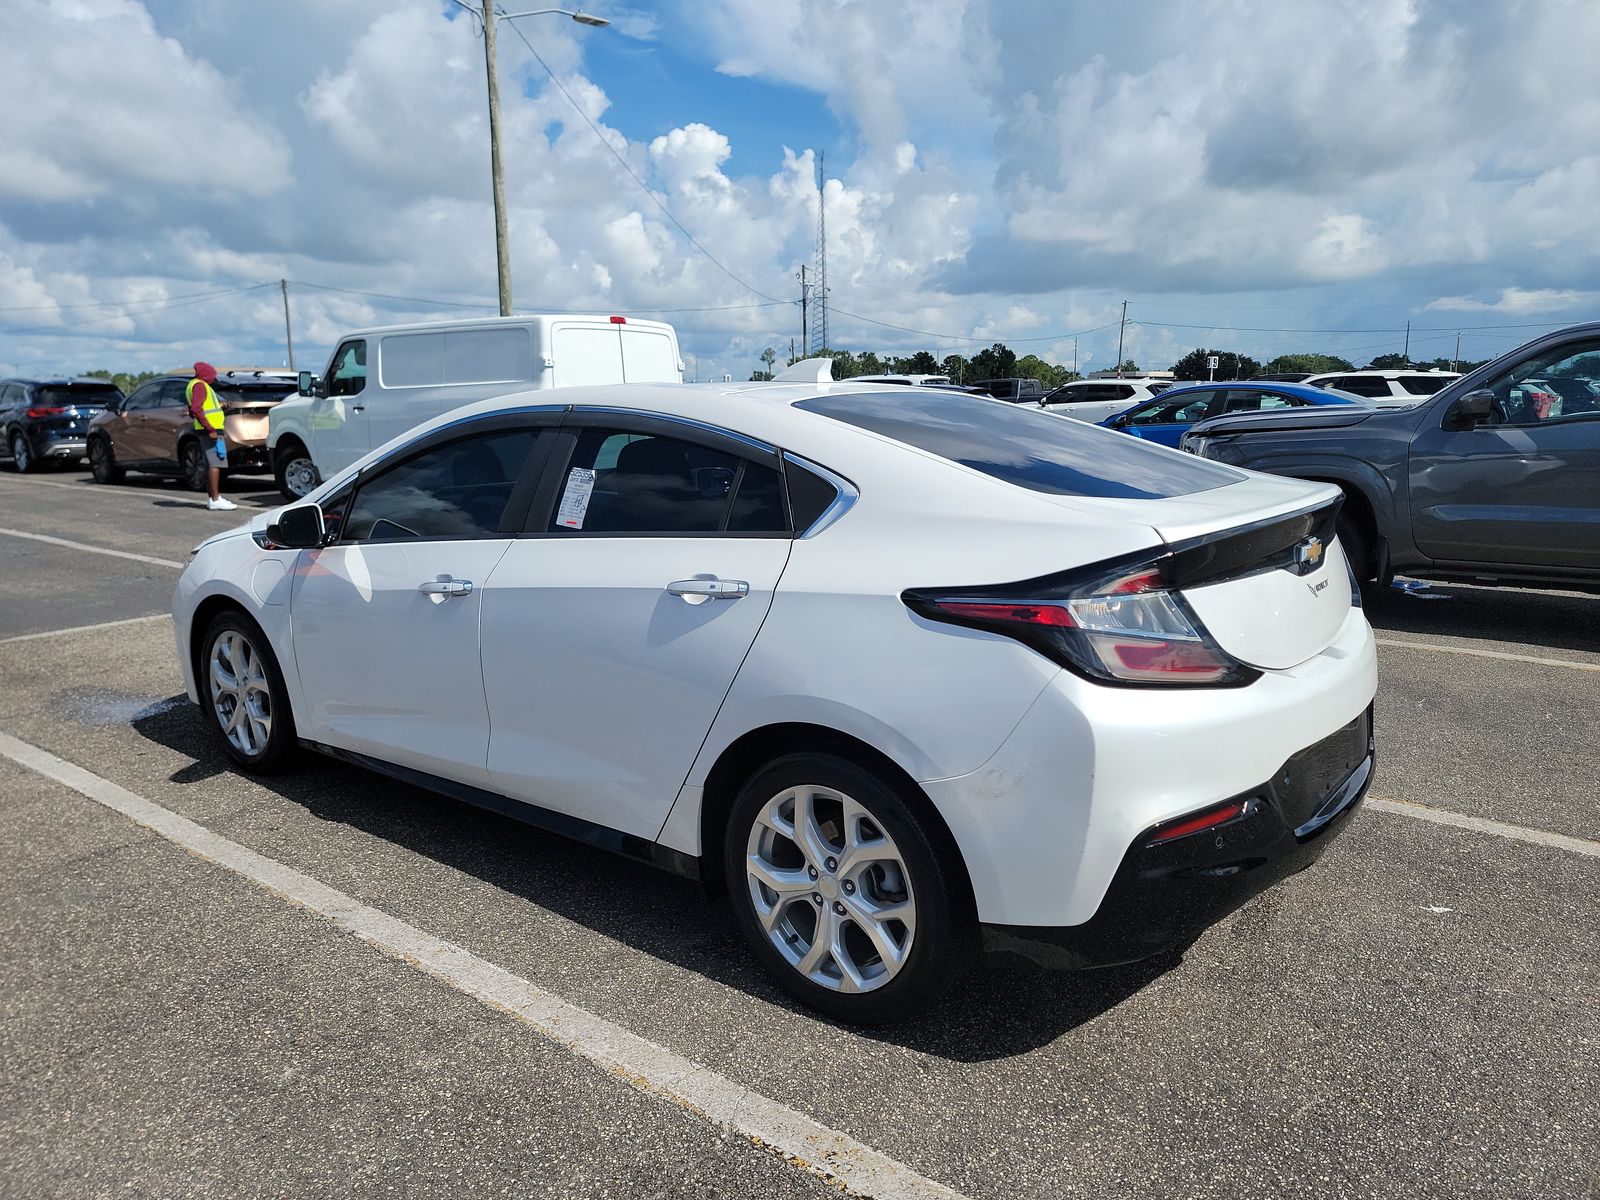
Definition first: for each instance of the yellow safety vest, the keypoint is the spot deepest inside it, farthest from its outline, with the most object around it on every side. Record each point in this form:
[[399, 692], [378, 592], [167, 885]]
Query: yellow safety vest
[[210, 407]]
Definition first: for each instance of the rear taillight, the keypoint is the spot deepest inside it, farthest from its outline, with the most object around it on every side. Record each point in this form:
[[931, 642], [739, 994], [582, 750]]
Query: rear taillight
[[1122, 624], [46, 411]]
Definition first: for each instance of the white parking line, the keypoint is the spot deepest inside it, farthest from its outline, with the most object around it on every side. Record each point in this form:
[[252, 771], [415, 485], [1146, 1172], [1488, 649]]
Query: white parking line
[[85, 546], [1529, 658], [1517, 833], [642, 1064], [32, 482], [50, 633]]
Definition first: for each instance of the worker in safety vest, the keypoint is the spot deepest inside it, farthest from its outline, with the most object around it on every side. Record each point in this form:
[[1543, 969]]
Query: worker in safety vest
[[206, 410]]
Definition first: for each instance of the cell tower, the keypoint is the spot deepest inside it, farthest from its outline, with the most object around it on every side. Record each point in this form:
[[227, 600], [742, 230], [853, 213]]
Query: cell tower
[[819, 284]]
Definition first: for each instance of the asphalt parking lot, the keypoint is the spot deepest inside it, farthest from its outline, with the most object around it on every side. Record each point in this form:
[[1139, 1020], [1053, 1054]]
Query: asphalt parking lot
[[1416, 1016]]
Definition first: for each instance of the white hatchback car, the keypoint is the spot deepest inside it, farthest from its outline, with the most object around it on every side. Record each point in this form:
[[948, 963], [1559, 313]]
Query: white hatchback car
[[1096, 400], [906, 670]]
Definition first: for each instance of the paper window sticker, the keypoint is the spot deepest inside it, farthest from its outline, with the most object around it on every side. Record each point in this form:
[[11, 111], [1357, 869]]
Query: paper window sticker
[[575, 500]]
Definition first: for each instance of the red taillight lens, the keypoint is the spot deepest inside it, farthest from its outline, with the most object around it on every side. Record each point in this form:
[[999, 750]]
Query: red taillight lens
[[1024, 614], [1123, 626], [1200, 822], [619, 320], [46, 411]]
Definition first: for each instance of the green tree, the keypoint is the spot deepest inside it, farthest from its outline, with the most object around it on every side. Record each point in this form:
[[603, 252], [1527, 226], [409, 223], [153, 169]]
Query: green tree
[[124, 380], [996, 362], [768, 356], [1316, 364], [1389, 362], [920, 363], [868, 363], [1129, 367], [1031, 366], [958, 368]]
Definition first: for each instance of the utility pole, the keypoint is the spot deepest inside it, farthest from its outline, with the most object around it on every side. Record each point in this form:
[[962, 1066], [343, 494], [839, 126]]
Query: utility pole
[[791, 352], [1074, 356], [502, 249], [1120, 328], [1458, 352], [1406, 353], [288, 332], [805, 304]]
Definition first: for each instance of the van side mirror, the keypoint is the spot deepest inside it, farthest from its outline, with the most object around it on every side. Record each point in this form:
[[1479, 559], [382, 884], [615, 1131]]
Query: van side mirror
[[305, 382], [299, 528], [1470, 409]]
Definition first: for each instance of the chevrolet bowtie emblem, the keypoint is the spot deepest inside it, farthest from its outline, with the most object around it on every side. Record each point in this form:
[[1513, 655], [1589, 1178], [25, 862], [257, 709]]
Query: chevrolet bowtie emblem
[[1308, 555]]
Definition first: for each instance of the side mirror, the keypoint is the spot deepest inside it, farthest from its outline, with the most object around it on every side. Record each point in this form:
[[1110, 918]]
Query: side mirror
[[305, 382], [299, 528], [1470, 409]]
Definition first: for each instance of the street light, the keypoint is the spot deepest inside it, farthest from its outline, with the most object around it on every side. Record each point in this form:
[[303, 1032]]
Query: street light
[[501, 247]]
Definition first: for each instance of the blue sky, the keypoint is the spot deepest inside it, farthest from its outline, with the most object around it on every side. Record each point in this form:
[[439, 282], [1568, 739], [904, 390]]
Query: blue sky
[[1246, 174]]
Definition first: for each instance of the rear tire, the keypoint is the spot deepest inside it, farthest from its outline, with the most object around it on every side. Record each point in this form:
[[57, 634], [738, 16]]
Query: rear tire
[[243, 694], [867, 917], [103, 461], [22, 454]]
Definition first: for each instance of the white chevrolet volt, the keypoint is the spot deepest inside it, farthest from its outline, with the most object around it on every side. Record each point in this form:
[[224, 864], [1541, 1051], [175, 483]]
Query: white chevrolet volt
[[906, 672]]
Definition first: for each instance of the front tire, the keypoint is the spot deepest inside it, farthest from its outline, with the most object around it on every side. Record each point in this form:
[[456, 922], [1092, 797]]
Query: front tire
[[192, 463], [243, 694], [297, 476], [103, 462], [845, 892], [22, 454]]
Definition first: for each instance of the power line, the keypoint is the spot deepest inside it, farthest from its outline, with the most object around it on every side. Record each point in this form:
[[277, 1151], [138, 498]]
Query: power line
[[623, 162], [130, 311], [114, 303], [609, 306]]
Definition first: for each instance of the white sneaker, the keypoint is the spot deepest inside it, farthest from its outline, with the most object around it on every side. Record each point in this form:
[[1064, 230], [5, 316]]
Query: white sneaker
[[220, 505]]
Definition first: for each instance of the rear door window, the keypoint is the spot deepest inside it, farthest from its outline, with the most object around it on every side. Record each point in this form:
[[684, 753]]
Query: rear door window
[[1363, 385], [1026, 446], [624, 482]]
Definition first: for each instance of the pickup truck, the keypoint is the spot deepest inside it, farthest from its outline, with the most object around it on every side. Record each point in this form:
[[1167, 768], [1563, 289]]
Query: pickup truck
[[1495, 479]]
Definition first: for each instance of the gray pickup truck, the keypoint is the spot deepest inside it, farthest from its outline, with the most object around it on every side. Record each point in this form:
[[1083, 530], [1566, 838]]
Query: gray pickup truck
[[1494, 479]]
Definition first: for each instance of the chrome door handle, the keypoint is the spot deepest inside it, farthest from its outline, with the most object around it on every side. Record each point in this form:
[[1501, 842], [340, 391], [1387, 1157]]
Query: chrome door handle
[[698, 591], [358, 408], [446, 587]]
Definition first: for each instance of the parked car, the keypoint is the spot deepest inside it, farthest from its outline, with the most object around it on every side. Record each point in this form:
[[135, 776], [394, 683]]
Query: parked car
[[1166, 418], [1489, 480], [901, 669], [1014, 391], [1386, 389], [47, 420], [420, 371], [1093, 400], [152, 431]]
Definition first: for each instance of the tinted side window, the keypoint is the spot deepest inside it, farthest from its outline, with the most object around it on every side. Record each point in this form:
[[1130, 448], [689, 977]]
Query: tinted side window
[[455, 491], [1025, 446], [145, 397], [1363, 385], [809, 495], [622, 482], [758, 502], [1188, 408], [1563, 381]]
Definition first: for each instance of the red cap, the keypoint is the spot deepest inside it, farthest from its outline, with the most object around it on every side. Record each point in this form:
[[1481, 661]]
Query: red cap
[[204, 370]]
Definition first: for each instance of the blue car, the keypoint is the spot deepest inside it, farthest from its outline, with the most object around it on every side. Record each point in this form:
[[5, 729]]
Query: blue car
[[1166, 417]]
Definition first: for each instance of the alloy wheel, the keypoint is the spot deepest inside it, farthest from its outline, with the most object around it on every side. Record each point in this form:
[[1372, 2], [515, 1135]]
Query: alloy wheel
[[241, 694], [300, 477], [21, 455], [830, 889], [194, 466]]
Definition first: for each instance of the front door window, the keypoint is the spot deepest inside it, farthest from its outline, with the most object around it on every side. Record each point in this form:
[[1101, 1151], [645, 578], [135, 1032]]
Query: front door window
[[348, 375]]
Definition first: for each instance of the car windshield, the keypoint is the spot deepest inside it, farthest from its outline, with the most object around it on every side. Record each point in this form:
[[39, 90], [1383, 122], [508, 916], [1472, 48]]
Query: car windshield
[[1025, 446], [82, 394]]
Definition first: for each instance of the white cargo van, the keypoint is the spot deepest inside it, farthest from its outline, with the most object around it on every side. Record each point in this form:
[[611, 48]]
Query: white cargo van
[[381, 382]]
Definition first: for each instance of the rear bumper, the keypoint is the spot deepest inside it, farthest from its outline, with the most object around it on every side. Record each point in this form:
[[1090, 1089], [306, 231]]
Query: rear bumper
[[50, 443], [252, 458], [1164, 895]]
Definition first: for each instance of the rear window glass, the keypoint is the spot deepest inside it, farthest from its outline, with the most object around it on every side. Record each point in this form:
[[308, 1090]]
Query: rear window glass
[[76, 394], [1422, 385], [1036, 450]]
